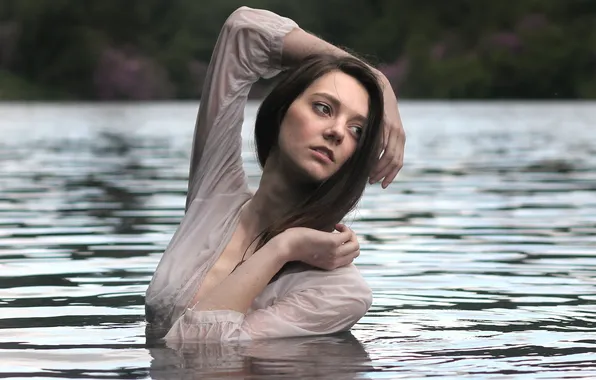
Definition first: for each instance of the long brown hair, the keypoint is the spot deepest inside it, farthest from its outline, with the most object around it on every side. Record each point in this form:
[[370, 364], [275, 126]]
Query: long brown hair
[[333, 198]]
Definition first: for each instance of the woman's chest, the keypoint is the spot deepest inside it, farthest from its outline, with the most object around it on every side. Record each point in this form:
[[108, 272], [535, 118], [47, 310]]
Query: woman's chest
[[229, 258]]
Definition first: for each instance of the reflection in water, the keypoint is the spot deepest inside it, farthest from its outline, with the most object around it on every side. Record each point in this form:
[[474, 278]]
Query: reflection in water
[[104, 194], [482, 257], [327, 357]]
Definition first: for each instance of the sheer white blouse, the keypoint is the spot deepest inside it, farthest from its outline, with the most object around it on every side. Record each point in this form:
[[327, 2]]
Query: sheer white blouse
[[303, 303]]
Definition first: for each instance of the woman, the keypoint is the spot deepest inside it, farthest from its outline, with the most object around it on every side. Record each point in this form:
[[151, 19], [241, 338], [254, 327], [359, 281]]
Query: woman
[[247, 266]]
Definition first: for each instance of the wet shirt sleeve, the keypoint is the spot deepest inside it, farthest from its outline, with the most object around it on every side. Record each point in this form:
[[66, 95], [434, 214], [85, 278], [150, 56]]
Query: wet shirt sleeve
[[327, 304], [249, 47]]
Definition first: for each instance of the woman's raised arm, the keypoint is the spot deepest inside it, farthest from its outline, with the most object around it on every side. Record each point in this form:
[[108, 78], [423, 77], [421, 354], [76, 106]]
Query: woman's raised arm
[[255, 44], [249, 47]]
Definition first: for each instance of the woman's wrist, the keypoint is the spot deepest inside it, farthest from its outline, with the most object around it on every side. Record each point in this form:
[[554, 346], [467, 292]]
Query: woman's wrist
[[282, 248]]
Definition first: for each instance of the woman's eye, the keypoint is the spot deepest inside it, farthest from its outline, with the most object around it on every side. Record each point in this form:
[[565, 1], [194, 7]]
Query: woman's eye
[[357, 130], [323, 108]]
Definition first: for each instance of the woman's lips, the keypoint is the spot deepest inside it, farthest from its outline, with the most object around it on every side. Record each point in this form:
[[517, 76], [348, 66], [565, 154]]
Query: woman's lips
[[322, 154]]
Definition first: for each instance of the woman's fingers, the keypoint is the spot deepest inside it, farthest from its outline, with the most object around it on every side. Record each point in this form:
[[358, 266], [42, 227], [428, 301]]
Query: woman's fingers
[[387, 159], [351, 246], [347, 249], [350, 254], [386, 133], [391, 161], [342, 227], [390, 177], [345, 234], [344, 249]]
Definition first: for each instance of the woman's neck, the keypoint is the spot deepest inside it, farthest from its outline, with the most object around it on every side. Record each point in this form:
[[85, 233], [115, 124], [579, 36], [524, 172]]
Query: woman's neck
[[273, 199], [278, 193]]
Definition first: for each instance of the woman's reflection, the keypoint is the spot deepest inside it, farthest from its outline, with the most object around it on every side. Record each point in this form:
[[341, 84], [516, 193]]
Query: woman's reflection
[[326, 357]]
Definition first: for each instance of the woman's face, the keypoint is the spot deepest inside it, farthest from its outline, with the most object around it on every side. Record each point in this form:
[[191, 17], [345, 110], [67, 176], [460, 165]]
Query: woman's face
[[322, 127]]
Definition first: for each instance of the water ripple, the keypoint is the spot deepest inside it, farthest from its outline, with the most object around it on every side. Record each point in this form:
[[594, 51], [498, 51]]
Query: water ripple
[[482, 256]]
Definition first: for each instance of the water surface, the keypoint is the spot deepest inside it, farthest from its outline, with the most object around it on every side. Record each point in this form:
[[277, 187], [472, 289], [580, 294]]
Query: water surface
[[482, 256]]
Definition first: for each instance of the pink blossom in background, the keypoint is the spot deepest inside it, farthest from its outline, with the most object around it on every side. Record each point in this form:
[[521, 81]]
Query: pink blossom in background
[[120, 74], [532, 22], [396, 71], [438, 50], [508, 40]]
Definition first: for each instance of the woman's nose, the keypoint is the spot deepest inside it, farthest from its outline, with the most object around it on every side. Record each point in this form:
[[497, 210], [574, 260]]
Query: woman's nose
[[335, 132]]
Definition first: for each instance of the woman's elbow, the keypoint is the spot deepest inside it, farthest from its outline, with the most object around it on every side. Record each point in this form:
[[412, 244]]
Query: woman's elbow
[[361, 307], [241, 19]]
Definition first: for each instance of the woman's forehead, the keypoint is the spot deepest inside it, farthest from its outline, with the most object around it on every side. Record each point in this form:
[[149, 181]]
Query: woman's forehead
[[343, 87]]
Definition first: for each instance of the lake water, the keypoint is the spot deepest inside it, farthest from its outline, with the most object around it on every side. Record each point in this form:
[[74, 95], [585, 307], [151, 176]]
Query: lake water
[[481, 256]]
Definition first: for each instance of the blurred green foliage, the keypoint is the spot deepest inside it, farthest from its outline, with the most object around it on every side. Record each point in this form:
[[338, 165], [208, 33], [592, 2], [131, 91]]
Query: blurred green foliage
[[158, 49]]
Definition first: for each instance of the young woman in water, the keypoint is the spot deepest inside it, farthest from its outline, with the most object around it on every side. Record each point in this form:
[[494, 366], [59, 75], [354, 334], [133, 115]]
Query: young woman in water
[[276, 263]]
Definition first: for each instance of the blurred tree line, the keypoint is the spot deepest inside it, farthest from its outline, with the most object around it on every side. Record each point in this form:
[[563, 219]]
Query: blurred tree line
[[159, 49]]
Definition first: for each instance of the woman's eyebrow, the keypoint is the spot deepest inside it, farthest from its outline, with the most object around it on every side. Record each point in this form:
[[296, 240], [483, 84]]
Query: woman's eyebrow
[[337, 104]]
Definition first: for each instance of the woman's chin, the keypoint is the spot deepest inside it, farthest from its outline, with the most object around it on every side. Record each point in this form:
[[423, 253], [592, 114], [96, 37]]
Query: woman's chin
[[310, 172], [317, 174]]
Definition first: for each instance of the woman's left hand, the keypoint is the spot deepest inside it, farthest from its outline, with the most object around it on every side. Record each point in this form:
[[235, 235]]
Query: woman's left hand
[[394, 139]]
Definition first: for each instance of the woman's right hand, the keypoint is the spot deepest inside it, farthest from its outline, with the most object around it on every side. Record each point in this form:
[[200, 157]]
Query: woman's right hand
[[324, 250]]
